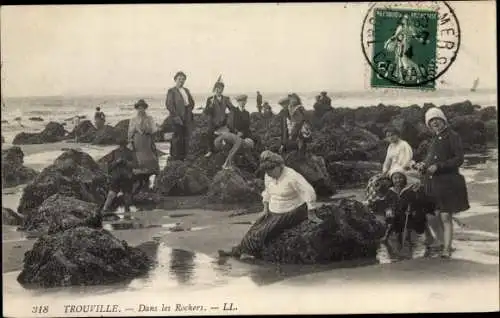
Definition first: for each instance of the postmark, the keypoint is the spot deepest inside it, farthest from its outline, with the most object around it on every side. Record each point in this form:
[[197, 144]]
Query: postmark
[[409, 44]]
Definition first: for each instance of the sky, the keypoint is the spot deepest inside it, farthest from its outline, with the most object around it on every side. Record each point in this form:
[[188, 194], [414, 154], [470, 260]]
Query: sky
[[129, 49]]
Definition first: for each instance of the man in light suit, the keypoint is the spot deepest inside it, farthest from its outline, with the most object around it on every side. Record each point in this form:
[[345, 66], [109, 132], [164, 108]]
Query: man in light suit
[[180, 104]]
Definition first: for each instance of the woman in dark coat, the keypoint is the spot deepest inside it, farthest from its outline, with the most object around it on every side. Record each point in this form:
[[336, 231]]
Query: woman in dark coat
[[441, 176]]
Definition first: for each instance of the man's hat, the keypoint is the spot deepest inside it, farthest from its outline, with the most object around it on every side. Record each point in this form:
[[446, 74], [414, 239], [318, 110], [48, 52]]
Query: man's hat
[[218, 83], [241, 97]]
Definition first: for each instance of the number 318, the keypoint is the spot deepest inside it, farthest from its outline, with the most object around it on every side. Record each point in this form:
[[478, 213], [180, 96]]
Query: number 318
[[40, 309]]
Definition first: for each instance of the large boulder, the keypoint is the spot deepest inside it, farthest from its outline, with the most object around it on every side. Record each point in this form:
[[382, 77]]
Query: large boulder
[[458, 109], [314, 170], [73, 174], [53, 132], [81, 256], [233, 186], [14, 172], [471, 130], [488, 113], [59, 213], [85, 131], [491, 127], [348, 232], [178, 179], [353, 173], [109, 135]]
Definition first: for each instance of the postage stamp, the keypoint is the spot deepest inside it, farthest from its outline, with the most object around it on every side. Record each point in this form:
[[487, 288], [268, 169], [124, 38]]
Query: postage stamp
[[410, 45]]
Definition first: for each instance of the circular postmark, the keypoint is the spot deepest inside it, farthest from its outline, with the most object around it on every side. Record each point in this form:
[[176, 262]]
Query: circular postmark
[[409, 44]]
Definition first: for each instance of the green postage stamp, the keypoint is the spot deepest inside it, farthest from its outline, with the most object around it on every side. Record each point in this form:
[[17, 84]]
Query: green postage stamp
[[409, 46]]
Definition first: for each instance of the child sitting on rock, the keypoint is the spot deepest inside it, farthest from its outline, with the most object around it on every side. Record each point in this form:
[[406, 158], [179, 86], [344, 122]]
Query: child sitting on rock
[[236, 133], [405, 207], [120, 169]]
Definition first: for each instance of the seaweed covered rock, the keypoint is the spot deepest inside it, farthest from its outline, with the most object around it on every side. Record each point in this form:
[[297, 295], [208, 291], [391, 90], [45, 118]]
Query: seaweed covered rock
[[11, 217], [488, 113], [73, 174], [471, 130], [353, 173], [108, 135], [85, 131], [348, 232], [81, 256], [59, 213], [178, 179], [491, 127], [230, 186], [36, 118], [314, 170], [14, 172], [53, 132]]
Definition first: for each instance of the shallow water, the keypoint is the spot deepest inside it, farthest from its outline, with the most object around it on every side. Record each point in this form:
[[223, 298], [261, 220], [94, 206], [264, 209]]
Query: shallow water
[[180, 270]]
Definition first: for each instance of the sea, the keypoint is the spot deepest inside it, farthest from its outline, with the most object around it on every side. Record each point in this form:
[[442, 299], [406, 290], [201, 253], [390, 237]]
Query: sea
[[17, 111]]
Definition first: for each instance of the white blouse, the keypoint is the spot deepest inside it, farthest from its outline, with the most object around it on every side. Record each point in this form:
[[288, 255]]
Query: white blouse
[[399, 154], [289, 192], [184, 95]]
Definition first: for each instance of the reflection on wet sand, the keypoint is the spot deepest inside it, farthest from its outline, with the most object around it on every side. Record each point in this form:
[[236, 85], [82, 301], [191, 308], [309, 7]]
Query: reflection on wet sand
[[182, 265]]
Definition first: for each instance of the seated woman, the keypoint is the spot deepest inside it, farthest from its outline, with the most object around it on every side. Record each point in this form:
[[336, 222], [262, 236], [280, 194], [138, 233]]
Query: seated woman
[[122, 180], [406, 207], [237, 133], [287, 199]]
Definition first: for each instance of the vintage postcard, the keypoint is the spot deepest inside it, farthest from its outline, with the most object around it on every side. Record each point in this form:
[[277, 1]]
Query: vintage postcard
[[238, 159]]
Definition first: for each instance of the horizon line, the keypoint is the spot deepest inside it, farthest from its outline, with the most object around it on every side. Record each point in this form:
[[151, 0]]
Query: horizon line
[[330, 92]]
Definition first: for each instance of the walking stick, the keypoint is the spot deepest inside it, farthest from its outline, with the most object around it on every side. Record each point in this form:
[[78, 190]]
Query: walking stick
[[405, 229]]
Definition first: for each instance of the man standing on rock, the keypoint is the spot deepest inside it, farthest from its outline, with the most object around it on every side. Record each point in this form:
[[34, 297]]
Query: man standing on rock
[[216, 109], [259, 102], [180, 104]]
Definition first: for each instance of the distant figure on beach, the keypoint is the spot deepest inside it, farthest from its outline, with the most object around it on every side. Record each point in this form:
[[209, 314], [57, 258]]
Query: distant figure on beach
[[259, 102], [239, 135], [288, 201], [441, 175], [267, 111], [99, 118], [141, 141], [295, 130], [76, 123], [399, 153], [325, 99], [216, 108], [122, 178], [180, 104], [322, 105]]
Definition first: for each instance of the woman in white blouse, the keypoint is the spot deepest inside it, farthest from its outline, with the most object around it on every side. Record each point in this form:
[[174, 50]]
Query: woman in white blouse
[[287, 199], [399, 153], [141, 141]]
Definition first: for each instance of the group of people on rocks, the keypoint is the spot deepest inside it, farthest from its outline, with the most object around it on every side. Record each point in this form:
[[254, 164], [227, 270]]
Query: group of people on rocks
[[405, 191]]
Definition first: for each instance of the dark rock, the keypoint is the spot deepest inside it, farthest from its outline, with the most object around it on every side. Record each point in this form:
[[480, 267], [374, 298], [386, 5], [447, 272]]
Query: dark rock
[[488, 113], [471, 130], [348, 232], [109, 135], [229, 186], [85, 131], [36, 118], [14, 172], [313, 169], [178, 178], [73, 174], [104, 161], [59, 213], [11, 217], [352, 173], [81, 256], [53, 132], [491, 127]]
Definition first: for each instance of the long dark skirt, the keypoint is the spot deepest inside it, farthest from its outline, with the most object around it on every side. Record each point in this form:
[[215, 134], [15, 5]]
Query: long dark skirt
[[448, 192], [269, 227]]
